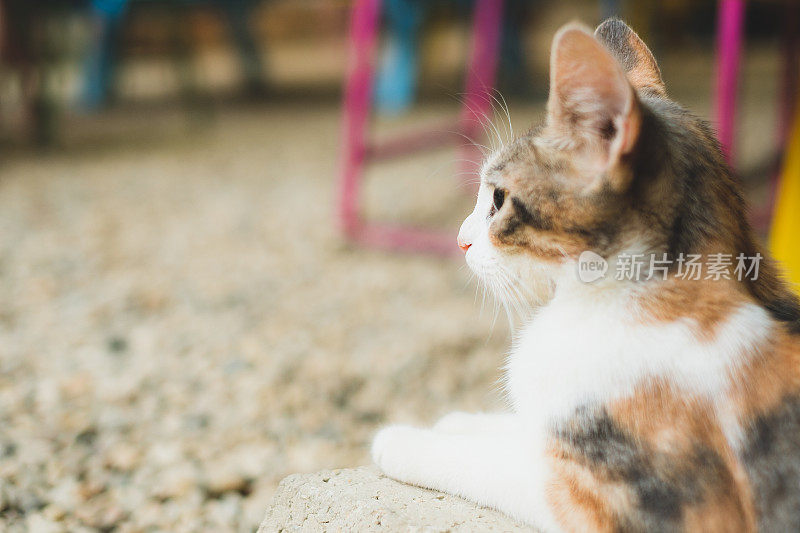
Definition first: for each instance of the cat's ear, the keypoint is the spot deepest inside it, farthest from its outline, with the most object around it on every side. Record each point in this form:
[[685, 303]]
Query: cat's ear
[[591, 100], [633, 55]]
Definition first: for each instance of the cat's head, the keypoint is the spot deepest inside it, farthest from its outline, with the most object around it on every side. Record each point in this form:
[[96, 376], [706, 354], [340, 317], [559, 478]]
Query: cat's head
[[606, 172]]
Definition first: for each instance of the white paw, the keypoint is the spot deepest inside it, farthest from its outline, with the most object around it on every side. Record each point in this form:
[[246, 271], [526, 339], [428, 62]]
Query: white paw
[[457, 422], [393, 450]]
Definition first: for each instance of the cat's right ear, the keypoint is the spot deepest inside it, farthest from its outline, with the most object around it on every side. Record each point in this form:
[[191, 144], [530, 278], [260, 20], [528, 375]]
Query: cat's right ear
[[592, 104]]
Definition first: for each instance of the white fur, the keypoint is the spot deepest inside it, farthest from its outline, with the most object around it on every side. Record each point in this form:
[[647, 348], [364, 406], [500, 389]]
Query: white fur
[[581, 350], [586, 346]]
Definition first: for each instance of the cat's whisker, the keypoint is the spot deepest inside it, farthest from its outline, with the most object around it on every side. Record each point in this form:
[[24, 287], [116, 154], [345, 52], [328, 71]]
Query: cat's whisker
[[490, 99], [467, 184], [475, 179], [516, 294], [508, 293], [483, 298], [519, 302], [485, 150], [438, 168], [504, 109], [476, 116], [507, 111], [497, 303], [483, 119], [469, 280]]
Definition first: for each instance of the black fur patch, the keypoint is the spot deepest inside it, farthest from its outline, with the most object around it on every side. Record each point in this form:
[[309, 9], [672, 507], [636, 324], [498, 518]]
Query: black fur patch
[[530, 217], [694, 168], [771, 456], [663, 483], [786, 309], [498, 168]]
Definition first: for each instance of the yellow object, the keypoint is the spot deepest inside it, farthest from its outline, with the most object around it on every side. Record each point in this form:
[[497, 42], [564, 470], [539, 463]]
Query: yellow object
[[784, 238]]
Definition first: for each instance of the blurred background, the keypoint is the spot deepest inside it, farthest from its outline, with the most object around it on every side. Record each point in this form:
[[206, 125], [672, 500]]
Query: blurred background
[[199, 291]]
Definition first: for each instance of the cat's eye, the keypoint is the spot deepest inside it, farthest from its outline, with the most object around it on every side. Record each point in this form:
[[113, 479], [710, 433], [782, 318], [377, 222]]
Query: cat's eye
[[498, 199]]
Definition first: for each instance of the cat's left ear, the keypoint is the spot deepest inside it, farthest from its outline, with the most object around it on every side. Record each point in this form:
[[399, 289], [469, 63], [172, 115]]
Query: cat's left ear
[[591, 100], [633, 55]]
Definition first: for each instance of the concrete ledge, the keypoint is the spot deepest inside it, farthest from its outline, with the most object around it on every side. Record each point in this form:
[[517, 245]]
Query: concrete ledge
[[363, 499]]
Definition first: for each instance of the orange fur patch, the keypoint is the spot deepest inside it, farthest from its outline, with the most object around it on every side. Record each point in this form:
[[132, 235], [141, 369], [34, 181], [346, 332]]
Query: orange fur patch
[[771, 376], [708, 303]]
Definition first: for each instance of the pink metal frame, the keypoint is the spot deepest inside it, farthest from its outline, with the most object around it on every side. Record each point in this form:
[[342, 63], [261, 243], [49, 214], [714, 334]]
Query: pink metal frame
[[730, 32], [730, 25], [358, 150], [788, 100]]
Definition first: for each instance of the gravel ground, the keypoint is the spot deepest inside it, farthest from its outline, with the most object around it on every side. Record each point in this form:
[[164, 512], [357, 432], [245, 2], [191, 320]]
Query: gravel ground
[[181, 326]]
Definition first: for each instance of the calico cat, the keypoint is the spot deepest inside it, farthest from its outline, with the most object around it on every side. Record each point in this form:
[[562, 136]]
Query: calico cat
[[638, 402]]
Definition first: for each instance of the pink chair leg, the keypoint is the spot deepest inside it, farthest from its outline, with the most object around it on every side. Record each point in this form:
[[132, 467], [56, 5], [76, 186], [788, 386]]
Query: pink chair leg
[[730, 25], [481, 75], [364, 22], [790, 45]]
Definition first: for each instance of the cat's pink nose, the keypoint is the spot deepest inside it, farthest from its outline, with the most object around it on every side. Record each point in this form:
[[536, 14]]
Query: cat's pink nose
[[464, 246]]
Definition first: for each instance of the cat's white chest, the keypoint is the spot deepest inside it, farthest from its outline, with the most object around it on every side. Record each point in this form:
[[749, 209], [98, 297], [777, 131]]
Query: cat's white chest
[[580, 351]]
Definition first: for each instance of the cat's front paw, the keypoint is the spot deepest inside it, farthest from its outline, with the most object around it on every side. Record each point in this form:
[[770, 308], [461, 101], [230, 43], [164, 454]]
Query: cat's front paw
[[393, 450]]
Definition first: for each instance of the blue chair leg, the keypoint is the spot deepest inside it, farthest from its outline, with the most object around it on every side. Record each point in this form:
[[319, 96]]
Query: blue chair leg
[[238, 12], [396, 84], [513, 73], [100, 60]]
